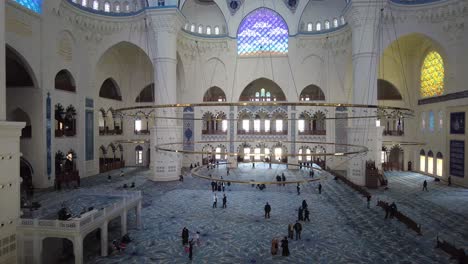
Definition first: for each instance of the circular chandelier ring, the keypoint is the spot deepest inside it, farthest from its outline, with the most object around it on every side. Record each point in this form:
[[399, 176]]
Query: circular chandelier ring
[[360, 150]]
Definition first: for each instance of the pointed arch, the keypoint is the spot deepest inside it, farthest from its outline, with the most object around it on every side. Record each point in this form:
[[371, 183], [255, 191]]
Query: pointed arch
[[432, 75], [271, 91], [387, 91], [110, 90], [18, 71], [251, 37], [214, 94], [64, 81], [146, 95], [312, 93]]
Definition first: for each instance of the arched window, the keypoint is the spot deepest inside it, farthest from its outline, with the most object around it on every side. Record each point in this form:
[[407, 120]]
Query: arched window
[[200, 29], [262, 31], [214, 94], [423, 121], [312, 93], [126, 6], [441, 120], [216, 30], [192, 28], [96, 5], [327, 24], [440, 164], [342, 20], [208, 30], [430, 162], [34, 5], [117, 7], [106, 7], [318, 26], [84, 3], [432, 75], [146, 95], [110, 90], [422, 161], [310, 27], [431, 121], [64, 81], [138, 155], [335, 23]]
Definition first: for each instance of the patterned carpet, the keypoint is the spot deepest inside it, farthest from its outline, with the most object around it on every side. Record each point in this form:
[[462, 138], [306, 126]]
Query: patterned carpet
[[342, 229]]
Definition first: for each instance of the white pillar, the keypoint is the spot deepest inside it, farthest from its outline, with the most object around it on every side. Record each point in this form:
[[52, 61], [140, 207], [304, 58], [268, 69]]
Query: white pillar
[[364, 18], [104, 239], [138, 215], [166, 24], [123, 222], [78, 249], [37, 249], [2, 64]]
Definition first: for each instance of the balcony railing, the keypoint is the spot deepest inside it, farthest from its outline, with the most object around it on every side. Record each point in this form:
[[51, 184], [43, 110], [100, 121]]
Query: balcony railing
[[243, 132], [393, 132], [214, 132], [313, 132], [142, 132]]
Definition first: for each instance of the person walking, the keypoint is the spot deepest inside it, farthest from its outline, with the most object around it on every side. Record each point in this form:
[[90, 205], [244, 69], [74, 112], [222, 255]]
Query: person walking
[[306, 215], [213, 186], [449, 180], [197, 238], [274, 246], [368, 201], [190, 249], [224, 201], [215, 201], [227, 171], [185, 235], [283, 178], [425, 185], [299, 214], [298, 189], [291, 231], [285, 246], [304, 204], [298, 229], [320, 188], [267, 210]]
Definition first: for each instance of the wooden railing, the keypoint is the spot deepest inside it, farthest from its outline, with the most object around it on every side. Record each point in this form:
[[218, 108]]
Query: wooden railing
[[313, 132], [456, 253], [351, 184], [410, 223], [109, 164], [393, 133], [67, 177]]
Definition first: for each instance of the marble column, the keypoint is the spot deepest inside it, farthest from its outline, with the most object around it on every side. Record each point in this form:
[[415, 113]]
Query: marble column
[[104, 239], [165, 23], [138, 215], [2, 65], [123, 223], [364, 18], [78, 249]]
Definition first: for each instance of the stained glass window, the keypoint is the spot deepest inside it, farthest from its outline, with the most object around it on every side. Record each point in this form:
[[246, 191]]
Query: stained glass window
[[34, 5], [262, 31], [431, 121], [432, 75]]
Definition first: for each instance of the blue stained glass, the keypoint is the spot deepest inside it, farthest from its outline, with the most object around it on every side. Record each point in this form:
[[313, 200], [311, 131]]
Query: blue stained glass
[[262, 31], [431, 121], [34, 5]]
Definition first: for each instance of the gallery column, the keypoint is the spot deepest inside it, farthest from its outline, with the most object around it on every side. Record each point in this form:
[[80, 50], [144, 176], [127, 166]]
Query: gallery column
[[165, 24], [364, 18], [2, 65]]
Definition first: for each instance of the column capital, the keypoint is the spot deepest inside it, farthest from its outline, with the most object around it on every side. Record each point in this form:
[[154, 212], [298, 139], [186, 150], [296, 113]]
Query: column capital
[[360, 12], [168, 20]]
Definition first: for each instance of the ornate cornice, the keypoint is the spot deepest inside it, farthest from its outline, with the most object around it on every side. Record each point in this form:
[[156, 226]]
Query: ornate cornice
[[192, 46], [338, 41], [95, 27], [433, 12]]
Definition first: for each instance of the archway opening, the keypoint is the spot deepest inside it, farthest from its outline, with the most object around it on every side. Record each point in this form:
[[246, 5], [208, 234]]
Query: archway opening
[[262, 89]]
